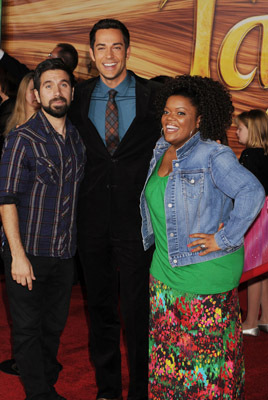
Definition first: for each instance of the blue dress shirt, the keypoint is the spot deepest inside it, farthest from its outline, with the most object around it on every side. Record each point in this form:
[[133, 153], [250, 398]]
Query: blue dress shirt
[[125, 100]]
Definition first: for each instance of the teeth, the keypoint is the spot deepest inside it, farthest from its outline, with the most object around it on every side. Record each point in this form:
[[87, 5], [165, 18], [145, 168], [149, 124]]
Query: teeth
[[171, 127], [109, 65]]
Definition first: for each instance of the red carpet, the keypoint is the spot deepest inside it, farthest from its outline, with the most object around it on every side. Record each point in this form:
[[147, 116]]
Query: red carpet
[[76, 381]]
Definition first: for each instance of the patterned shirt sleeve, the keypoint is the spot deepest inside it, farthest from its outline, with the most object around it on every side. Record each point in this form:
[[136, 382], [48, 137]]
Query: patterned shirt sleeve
[[13, 169]]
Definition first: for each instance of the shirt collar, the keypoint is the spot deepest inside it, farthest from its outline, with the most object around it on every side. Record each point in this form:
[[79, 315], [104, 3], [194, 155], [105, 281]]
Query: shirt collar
[[49, 128], [121, 88], [189, 145]]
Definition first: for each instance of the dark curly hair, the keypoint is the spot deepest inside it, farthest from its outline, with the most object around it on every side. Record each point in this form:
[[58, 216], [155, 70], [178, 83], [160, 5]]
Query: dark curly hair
[[211, 99]]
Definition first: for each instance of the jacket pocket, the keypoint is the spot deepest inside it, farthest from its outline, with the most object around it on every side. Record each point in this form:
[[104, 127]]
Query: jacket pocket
[[192, 184]]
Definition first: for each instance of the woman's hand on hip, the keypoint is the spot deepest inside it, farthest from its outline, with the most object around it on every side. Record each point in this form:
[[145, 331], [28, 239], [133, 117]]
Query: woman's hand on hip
[[205, 242]]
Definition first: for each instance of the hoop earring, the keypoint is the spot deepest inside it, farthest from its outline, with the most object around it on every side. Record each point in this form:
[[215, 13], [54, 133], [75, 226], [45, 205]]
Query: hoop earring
[[162, 132], [191, 133]]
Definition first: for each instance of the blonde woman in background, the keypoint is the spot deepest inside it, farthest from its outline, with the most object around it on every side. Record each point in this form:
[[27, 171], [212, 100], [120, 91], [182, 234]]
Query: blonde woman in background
[[253, 133], [26, 104]]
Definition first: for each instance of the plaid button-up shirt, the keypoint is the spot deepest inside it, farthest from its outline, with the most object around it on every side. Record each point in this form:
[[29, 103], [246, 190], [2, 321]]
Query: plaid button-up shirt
[[40, 172]]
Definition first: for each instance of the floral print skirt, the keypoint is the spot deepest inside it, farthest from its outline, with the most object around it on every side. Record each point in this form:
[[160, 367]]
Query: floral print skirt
[[195, 345]]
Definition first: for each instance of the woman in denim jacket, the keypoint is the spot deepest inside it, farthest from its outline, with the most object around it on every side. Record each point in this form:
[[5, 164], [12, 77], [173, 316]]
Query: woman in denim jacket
[[197, 203]]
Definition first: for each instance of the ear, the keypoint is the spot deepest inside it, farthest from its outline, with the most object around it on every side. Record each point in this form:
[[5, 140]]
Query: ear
[[72, 93], [37, 96], [128, 52], [91, 53]]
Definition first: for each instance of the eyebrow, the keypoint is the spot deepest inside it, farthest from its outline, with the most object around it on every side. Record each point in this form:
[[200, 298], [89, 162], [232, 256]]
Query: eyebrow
[[114, 44], [62, 80], [177, 108]]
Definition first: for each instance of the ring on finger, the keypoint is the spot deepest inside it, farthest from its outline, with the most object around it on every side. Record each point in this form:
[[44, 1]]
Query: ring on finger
[[203, 246]]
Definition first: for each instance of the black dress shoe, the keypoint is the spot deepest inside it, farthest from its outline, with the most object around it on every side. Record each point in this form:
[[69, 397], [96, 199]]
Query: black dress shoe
[[263, 327], [9, 367], [55, 396]]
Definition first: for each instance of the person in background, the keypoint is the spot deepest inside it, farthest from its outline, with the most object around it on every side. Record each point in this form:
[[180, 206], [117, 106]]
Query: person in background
[[252, 132], [65, 51], [40, 172], [26, 104], [197, 203], [114, 114], [8, 91]]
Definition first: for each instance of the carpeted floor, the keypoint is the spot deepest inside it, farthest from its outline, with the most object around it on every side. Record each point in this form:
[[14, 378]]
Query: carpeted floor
[[77, 381]]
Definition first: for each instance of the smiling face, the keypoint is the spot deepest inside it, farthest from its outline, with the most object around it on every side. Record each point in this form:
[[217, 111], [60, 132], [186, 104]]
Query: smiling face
[[110, 55], [179, 120], [242, 133], [55, 93]]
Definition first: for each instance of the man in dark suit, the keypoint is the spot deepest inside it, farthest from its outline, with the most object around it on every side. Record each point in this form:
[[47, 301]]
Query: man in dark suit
[[109, 224], [65, 51]]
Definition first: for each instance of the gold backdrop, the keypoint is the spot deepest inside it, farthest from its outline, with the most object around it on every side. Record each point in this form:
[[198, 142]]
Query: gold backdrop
[[227, 40]]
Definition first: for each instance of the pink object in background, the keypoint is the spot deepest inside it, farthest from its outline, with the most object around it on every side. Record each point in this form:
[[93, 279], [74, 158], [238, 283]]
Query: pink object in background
[[256, 246]]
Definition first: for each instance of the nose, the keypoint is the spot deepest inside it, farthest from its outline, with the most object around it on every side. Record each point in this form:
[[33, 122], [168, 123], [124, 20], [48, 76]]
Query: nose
[[109, 52], [57, 90], [170, 116]]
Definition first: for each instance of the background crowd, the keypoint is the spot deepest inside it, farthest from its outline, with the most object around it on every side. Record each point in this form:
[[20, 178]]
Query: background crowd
[[177, 255]]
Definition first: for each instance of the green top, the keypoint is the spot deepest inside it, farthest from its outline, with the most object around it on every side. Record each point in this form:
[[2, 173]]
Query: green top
[[209, 277]]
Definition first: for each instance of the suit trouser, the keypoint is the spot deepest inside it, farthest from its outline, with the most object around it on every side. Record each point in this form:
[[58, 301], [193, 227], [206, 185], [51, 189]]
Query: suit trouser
[[38, 318], [115, 268]]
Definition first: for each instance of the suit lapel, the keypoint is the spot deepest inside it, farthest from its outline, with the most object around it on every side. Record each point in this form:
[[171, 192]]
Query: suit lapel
[[142, 104], [142, 99], [86, 94]]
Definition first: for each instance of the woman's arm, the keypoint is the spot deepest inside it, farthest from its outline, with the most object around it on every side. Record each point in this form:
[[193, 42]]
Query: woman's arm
[[238, 183], [243, 187]]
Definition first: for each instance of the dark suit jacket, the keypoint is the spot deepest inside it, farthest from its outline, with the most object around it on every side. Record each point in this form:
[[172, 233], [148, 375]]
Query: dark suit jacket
[[110, 192], [14, 67]]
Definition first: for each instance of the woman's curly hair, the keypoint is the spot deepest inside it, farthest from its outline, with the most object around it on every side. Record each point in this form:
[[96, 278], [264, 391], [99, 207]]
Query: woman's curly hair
[[211, 99]]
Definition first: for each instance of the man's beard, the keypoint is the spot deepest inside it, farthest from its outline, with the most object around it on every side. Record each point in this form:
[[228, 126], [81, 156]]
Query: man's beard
[[57, 111]]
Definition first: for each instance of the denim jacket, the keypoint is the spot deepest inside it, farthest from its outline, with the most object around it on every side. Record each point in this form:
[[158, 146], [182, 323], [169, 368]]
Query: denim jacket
[[206, 187]]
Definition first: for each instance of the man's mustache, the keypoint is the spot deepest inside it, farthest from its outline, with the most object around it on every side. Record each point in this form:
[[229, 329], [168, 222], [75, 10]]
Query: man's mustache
[[56, 99]]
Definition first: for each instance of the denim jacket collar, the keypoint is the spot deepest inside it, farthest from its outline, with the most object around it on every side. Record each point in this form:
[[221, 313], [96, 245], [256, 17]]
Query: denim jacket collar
[[182, 151]]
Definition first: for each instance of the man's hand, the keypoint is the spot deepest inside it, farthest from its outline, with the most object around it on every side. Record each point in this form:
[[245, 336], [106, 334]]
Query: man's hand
[[22, 271], [21, 268]]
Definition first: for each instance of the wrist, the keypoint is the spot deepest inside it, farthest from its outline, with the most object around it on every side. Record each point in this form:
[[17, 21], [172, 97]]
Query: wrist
[[17, 252]]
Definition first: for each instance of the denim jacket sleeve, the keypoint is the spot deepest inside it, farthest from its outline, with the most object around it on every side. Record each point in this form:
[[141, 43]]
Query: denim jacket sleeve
[[244, 188]]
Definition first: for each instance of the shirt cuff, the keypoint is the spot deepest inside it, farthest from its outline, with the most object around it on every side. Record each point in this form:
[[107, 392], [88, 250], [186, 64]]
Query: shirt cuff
[[8, 200], [1, 54]]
